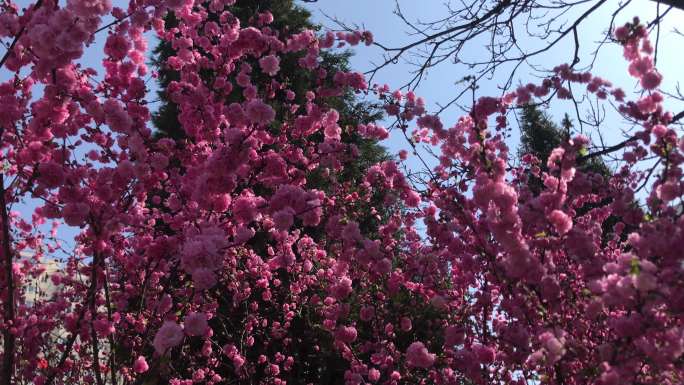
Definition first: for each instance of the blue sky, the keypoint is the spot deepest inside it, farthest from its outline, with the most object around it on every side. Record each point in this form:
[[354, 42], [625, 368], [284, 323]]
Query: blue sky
[[439, 87]]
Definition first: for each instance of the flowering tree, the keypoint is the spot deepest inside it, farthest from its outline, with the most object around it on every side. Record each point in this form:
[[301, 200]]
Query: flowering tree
[[213, 259], [324, 364]]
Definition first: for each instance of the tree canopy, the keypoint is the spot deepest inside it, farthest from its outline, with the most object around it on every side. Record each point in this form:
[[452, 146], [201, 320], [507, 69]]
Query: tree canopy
[[243, 242]]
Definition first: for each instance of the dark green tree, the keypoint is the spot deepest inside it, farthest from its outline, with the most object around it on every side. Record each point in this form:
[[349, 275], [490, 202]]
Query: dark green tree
[[539, 135], [290, 18], [316, 360]]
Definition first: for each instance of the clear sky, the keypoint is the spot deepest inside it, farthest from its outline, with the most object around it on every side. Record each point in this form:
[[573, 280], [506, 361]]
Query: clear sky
[[439, 87]]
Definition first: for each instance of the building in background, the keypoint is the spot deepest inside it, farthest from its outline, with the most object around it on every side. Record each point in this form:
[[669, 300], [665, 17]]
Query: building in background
[[42, 287]]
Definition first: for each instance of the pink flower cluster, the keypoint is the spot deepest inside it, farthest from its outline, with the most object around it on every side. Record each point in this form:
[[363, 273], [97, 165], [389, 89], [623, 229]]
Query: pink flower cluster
[[222, 257]]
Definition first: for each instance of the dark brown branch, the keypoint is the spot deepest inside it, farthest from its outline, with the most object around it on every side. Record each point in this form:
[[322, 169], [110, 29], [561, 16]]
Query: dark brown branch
[[677, 117], [8, 316], [679, 4], [112, 363], [401, 50], [93, 333], [607, 150], [17, 37], [92, 290]]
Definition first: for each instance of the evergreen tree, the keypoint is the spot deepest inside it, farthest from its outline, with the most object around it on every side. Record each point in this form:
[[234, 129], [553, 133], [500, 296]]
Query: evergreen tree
[[316, 359], [539, 135], [287, 17]]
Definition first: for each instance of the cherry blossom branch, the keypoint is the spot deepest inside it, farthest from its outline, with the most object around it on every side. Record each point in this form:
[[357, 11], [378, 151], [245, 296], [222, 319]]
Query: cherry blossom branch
[[92, 289], [17, 37], [677, 117], [608, 150]]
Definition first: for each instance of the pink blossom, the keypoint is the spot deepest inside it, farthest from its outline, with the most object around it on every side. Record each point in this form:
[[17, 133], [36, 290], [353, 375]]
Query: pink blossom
[[51, 174], [204, 278], [9, 24], [485, 354], [621, 33], [346, 334], [659, 130], [332, 132], [284, 218], [641, 66], [117, 47], [275, 170], [373, 375], [553, 346], [439, 302], [263, 224], [610, 378], [168, 336], [352, 38], [351, 233], [367, 313], [412, 198], [343, 288], [90, 8], [75, 214], [668, 191], [453, 335], [259, 112], [103, 327], [243, 234], [367, 37], [270, 64], [238, 361], [561, 221], [140, 365], [203, 251], [651, 80], [195, 324], [245, 209], [176, 4], [405, 324], [116, 117], [418, 356]]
